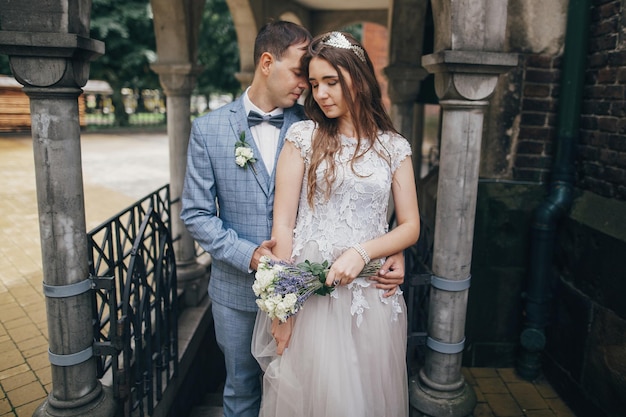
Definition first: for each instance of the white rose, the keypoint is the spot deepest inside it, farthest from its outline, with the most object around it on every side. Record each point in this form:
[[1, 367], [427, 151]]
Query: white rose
[[257, 288], [264, 263], [244, 153], [241, 161], [290, 300], [247, 153], [264, 278], [261, 304]]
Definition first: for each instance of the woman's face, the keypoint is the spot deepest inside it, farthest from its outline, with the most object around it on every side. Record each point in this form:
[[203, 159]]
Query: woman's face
[[326, 88]]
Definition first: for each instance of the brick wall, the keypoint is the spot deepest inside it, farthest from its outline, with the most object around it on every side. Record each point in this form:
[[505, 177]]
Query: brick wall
[[533, 159], [375, 41], [602, 149], [601, 152]]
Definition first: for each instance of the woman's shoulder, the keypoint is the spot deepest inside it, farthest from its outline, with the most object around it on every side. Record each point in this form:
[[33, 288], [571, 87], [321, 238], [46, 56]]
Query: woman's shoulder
[[300, 133], [395, 142], [303, 125], [396, 146]]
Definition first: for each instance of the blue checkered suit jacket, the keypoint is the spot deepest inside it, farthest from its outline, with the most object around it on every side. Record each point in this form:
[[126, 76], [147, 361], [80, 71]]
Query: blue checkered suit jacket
[[226, 208]]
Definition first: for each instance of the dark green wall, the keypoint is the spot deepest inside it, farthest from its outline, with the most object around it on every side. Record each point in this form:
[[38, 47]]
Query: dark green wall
[[585, 355], [586, 345], [500, 256]]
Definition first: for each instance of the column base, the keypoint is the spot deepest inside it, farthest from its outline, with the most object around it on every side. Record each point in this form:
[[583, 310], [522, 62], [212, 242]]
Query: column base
[[98, 403], [193, 280], [427, 402]]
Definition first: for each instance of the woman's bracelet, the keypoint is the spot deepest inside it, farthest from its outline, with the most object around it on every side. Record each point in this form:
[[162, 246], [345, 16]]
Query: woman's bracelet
[[366, 258]]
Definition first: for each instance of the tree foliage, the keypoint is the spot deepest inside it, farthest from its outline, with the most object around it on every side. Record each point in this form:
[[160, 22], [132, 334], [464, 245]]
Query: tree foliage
[[126, 28], [218, 51]]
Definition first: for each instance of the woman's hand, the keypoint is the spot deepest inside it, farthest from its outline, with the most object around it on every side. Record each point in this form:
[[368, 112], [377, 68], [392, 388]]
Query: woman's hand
[[282, 333], [345, 269]]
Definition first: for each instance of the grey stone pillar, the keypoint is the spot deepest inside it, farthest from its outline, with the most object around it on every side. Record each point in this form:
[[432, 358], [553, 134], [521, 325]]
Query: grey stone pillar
[[404, 87], [178, 81], [405, 72], [465, 77], [245, 79], [53, 66]]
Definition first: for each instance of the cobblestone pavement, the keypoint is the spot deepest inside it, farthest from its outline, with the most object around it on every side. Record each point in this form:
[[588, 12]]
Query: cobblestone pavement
[[118, 169]]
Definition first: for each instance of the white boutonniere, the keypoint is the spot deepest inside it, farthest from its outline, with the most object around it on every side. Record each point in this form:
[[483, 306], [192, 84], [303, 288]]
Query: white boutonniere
[[244, 154]]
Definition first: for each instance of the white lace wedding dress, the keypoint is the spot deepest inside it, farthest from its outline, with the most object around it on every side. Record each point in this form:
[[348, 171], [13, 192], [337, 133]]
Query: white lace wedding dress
[[346, 356]]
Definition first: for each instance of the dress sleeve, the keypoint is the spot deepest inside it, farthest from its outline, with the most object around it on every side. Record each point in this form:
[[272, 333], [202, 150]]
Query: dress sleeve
[[400, 150], [300, 134]]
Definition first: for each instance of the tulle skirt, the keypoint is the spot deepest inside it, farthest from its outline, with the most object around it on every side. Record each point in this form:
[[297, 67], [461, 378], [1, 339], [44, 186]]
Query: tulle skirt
[[346, 357]]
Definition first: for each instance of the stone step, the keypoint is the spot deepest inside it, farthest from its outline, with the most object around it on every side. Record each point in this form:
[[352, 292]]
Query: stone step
[[211, 406], [207, 411]]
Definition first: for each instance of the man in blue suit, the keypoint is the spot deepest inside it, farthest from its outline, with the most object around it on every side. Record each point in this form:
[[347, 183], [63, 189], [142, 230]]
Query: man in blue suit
[[228, 197]]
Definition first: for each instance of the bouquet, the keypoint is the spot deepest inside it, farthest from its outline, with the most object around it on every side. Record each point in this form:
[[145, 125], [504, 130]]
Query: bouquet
[[282, 288]]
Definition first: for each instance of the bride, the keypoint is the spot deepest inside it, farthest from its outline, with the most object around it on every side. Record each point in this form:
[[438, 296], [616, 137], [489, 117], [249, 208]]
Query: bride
[[344, 354]]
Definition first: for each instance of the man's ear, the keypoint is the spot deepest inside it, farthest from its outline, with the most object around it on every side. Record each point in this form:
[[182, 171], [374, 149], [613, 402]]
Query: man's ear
[[265, 62]]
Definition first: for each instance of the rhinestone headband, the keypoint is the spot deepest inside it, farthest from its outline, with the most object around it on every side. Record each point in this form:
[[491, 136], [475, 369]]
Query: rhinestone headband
[[337, 40]]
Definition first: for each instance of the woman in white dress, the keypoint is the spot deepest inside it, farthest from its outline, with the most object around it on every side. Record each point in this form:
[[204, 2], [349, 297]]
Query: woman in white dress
[[341, 355]]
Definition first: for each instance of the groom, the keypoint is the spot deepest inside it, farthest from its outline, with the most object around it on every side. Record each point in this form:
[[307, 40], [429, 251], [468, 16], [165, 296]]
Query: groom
[[227, 201]]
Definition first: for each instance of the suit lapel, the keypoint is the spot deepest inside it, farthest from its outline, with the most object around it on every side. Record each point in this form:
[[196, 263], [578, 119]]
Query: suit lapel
[[239, 123]]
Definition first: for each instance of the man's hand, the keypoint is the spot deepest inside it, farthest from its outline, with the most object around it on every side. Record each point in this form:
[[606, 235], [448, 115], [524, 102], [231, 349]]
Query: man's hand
[[282, 333], [391, 274], [265, 249]]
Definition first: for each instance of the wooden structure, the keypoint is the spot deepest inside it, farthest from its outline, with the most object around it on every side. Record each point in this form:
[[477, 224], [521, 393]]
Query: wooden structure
[[15, 106]]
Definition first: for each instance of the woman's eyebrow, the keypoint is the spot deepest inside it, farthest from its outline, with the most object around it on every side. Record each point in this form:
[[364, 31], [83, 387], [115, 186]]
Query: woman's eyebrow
[[325, 77]]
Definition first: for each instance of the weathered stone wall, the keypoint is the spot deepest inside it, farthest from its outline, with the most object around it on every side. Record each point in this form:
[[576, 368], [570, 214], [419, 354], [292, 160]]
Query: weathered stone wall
[[520, 125], [523, 122], [537, 120], [586, 349], [585, 356]]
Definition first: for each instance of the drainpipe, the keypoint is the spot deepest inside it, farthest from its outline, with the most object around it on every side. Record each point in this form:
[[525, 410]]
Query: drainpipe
[[559, 199]]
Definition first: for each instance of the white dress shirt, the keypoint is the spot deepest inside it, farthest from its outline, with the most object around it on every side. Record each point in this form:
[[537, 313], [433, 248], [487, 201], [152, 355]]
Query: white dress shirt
[[265, 135]]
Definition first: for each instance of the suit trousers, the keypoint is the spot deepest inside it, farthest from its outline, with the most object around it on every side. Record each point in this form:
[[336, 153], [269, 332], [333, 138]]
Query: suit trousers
[[242, 390]]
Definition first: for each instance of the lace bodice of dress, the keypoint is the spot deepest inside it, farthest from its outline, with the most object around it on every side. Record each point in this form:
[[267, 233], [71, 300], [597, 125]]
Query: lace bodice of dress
[[357, 208]]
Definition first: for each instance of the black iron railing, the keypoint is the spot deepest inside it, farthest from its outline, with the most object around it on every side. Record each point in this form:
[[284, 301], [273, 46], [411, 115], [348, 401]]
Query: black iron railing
[[135, 305], [416, 289]]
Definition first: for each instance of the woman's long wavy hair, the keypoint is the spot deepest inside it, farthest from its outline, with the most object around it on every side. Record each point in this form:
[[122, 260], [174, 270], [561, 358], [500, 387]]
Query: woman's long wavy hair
[[364, 102]]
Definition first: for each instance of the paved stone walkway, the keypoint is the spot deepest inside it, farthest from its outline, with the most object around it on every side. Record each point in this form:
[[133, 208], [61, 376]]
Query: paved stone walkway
[[118, 169]]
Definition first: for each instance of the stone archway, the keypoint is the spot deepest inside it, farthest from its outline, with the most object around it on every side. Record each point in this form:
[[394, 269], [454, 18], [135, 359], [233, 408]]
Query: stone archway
[[246, 27]]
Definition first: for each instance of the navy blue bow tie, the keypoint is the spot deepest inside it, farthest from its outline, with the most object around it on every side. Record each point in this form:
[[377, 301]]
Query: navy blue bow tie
[[255, 118]]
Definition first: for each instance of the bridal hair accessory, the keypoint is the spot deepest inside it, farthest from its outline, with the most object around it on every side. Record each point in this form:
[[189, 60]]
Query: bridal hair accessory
[[338, 40]]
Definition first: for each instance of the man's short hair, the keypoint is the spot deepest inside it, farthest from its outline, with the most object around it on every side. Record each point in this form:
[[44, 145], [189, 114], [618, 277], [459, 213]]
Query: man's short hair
[[276, 37]]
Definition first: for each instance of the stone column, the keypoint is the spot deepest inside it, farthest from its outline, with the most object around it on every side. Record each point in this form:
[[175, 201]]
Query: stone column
[[465, 77], [404, 87], [178, 81], [245, 79], [405, 72], [53, 66]]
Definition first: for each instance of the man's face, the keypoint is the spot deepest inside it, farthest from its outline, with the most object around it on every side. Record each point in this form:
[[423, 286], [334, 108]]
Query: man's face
[[285, 82]]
